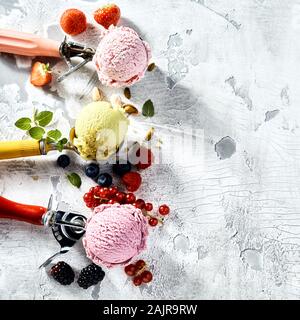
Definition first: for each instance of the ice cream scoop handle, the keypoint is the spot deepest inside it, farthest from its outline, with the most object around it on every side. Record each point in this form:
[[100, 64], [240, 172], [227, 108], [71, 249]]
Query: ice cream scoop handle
[[18, 149], [27, 44], [21, 212]]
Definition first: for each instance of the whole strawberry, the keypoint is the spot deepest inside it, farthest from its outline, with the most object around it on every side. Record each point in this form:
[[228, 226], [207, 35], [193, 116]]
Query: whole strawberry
[[132, 181], [108, 15], [40, 74]]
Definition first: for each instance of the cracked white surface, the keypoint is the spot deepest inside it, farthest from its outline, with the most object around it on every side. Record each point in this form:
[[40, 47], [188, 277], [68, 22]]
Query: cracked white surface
[[230, 68]]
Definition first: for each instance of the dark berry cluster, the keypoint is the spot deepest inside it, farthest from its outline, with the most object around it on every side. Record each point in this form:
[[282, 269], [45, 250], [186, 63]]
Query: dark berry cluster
[[62, 273], [89, 276]]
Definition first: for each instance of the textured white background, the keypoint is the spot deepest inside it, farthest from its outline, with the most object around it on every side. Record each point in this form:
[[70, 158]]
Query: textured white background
[[230, 68]]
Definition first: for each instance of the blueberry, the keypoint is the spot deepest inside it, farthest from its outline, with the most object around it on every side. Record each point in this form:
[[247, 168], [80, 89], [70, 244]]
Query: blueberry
[[105, 180], [63, 161], [92, 170], [121, 168]]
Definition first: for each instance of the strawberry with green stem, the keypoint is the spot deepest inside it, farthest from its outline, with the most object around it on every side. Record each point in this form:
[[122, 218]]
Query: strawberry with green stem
[[40, 74]]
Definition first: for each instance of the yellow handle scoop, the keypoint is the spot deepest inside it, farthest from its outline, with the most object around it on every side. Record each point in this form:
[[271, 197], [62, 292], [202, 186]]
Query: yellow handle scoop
[[28, 148]]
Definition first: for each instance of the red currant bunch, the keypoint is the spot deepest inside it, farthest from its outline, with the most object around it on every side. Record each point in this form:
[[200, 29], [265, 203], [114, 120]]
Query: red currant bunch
[[154, 220], [139, 272], [99, 195]]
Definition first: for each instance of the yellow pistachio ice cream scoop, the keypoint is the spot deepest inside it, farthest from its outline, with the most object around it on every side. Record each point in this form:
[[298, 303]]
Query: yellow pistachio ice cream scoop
[[100, 129]]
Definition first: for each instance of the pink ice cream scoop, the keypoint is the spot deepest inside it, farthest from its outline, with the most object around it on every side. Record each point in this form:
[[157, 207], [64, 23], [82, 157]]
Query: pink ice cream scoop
[[115, 234], [122, 57]]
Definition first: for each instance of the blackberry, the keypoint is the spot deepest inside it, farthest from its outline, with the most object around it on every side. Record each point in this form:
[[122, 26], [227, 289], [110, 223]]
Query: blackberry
[[62, 273], [90, 276]]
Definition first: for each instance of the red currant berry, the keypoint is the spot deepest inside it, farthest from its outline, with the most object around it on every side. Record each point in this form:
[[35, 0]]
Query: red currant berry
[[87, 197], [137, 281], [148, 206], [153, 222], [164, 210], [146, 276], [115, 199], [89, 204], [103, 193], [120, 196], [130, 270], [112, 201], [130, 198], [92, 190], [96, 203], [112, 192], [140, 264], [140, 204], [97, 190]]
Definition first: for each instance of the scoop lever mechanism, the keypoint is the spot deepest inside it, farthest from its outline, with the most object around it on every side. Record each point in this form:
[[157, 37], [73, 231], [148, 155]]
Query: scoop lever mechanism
[[71, 49]]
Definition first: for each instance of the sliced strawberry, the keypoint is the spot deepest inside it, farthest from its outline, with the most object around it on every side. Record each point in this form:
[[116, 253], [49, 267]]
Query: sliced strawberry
[[108, 15], [40, 74], [146, 158], [132, 181]]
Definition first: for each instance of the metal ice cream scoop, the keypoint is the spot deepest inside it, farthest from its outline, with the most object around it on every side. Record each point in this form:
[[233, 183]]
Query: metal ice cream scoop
[[27, 44], [67, 227]]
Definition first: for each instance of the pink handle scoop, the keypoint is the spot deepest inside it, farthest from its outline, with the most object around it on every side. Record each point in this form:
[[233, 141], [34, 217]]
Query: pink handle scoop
[[27, 44]]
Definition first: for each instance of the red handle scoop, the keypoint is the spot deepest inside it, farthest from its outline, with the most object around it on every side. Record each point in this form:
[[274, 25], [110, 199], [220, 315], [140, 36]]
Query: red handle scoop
[[21, 212]]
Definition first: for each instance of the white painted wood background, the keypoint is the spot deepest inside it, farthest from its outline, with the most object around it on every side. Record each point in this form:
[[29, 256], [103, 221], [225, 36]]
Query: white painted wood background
[[229, 68]]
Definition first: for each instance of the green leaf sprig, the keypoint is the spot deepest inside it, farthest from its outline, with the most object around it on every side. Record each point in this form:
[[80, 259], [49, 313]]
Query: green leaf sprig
[[35, 128]]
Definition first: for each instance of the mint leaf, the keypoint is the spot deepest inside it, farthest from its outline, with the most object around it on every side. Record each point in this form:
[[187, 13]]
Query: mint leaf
[[148, 109], [44, 118], [23, 124], [54, 134], [63, 141], [36, 133], [74, 179], [60, 144]]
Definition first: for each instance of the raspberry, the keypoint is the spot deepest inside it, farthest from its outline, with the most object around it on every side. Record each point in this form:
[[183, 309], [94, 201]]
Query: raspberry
[[132, 180]]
